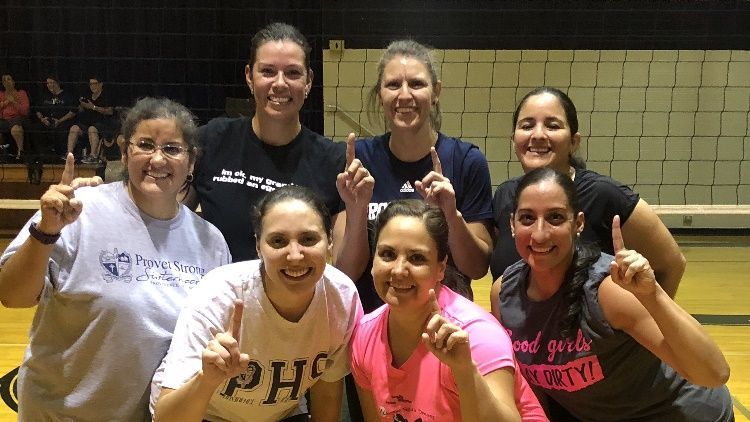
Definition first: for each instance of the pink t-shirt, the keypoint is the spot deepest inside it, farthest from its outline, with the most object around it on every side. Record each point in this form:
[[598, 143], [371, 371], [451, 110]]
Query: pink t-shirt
[[17, 110], [423, 387]]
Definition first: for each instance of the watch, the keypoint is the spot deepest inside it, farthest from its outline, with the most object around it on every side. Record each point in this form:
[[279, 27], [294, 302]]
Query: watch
[[44, 238]]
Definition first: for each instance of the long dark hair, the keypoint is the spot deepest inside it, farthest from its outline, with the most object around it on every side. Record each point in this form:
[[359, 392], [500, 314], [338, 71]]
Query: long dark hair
[[571, 115], [585, 254]]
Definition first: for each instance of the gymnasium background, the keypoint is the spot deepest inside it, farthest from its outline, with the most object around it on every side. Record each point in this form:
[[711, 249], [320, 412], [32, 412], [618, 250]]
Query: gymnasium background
[[662, 87]]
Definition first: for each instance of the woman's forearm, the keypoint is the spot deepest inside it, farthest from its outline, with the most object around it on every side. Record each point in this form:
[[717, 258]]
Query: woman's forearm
[[325, 401], [697, 357], [470, 245], [351, 250], [22, 275], [478, 400], [187, 403]]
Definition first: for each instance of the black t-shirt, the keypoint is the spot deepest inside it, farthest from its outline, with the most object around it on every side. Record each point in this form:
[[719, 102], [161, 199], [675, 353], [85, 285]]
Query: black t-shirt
[[57, 106], [600, 197], [88, 117], [237, 169]]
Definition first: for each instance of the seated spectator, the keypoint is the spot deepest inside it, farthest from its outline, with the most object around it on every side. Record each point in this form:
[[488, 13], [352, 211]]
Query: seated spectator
[[111, 146], [94, 120], [55, 114], [14, 111]]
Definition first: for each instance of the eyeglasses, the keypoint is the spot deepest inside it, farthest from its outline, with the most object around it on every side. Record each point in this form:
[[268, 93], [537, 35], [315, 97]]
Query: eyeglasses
[[169, 150]]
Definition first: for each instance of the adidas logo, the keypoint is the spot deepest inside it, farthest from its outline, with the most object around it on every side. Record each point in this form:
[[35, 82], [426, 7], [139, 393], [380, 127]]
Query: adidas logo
[[407, 187]]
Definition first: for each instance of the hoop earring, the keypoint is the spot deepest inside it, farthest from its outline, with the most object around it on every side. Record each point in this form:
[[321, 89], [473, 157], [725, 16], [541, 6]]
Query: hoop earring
[[189, 178]]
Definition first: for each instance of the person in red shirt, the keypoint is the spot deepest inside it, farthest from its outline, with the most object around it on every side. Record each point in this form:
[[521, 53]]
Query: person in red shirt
[[14, 111]]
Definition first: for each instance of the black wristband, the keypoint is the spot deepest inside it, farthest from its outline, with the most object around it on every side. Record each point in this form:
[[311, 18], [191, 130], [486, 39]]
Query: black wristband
[[44, 238]]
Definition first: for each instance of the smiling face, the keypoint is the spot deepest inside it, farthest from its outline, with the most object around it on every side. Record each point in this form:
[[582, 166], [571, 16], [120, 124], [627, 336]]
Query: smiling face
[[407, 93], [279, 79], [293, 245], [544, 227], [156, 176], [406, 265], [542, 136]]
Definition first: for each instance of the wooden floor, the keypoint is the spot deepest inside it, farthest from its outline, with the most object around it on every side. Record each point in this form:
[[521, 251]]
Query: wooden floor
[[715, 288]]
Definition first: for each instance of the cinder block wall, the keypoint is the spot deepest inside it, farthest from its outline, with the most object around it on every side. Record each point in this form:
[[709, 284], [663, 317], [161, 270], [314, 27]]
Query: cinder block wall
[[673, 124]]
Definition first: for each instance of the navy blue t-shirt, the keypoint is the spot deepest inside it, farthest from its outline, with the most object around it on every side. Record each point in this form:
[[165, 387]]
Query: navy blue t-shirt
[[462, 163]]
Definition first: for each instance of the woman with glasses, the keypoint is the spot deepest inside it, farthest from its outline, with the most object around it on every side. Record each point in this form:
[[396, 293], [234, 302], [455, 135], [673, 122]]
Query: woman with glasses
[[93, 119], [109, 268]]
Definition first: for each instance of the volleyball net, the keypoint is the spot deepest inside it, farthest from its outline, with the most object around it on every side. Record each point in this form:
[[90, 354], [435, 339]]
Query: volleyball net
[[672, 124]]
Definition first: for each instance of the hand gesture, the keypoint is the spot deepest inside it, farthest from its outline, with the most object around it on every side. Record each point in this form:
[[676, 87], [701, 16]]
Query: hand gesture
[[630, 269], [59, 205], [46, 121], [86, 103], [435, 188], [80, 182], [354, 184], [222, 358], [445, 340]]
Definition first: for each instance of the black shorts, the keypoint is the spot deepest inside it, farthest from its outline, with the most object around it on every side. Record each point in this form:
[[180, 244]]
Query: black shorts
[[7, 124], [105, 129]]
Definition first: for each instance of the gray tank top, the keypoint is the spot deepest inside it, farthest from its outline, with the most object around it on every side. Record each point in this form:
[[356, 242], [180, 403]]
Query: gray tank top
[[599, 374]]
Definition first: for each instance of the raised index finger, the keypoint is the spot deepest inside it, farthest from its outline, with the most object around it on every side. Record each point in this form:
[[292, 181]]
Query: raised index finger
[[69, 172], [433, 302], [617, 241], [235, 324], [436, 166], [350, 149]]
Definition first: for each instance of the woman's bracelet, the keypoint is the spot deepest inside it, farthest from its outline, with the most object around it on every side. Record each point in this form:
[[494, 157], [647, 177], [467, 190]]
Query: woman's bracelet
[[44, 238]]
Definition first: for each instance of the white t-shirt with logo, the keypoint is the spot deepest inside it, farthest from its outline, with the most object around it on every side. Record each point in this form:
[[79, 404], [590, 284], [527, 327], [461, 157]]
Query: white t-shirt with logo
[[115, 284], [286, 358]]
